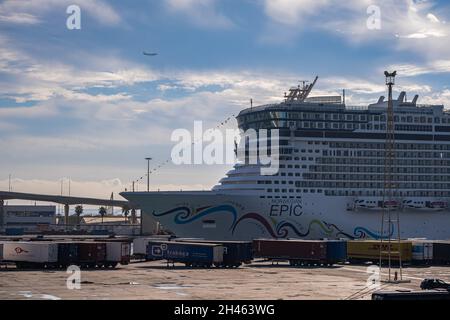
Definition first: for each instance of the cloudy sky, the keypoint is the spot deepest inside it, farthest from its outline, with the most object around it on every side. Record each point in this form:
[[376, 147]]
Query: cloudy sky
[[88, 105]]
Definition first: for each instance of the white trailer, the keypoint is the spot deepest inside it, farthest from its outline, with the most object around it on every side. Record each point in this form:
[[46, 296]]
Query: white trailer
[[31, 252], [118, 252], [422, 251], [140, 245]]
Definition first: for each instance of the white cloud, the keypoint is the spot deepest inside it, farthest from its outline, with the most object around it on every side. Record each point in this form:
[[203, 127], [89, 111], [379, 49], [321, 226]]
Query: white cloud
[[292, 12], [38, 80], [412, 70], [407, 24], [203, 13], [19, 18], [440, 97]]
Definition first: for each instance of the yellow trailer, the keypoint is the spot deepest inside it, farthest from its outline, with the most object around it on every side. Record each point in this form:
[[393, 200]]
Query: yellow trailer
[[369, 250]]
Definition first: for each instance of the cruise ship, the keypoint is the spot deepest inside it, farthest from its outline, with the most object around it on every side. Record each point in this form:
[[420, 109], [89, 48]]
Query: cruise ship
[[331, 178]]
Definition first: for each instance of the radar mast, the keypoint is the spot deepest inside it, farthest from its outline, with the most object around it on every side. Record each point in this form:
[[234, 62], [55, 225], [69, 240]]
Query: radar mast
[[300, 93]]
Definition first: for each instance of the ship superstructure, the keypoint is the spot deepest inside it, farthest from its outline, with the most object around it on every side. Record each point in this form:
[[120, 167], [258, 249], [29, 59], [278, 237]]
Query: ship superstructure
[[330, 178]]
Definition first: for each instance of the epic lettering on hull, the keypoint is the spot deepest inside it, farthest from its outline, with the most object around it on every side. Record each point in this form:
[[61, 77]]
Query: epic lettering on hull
[[280, 210]]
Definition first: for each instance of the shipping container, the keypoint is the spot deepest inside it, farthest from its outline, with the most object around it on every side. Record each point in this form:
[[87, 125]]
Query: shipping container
[[422, 251], [117, 252], [369, 250], [441, 252], [235, 252], [68, 254], [92, 254], [191, 254], [31, 253], [336, 251], [301, 251]]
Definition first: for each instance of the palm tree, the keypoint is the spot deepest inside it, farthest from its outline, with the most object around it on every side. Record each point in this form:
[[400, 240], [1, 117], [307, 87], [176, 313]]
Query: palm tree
[[102, 212], [79, 212]]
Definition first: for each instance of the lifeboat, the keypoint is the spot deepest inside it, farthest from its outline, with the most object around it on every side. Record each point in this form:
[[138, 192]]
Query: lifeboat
[[438, 205], [366, 204], [376, 204], [426, 205], [414, 204]]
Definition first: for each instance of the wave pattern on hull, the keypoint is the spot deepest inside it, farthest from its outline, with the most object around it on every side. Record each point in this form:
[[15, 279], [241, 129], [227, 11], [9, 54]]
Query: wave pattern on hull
[[276, 230]]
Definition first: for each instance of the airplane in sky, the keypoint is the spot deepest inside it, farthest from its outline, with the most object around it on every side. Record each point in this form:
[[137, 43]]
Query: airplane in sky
[[152, 54]]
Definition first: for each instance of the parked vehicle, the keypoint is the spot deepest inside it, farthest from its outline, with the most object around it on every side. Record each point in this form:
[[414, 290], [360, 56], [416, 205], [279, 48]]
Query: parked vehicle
[[235, 252], [441, 252], [92, 254], [31, 254], [422, 252], [191, 254], [299, 252], [1, 251], [140, 245], [117, 252], [369, 251], [68, 254]]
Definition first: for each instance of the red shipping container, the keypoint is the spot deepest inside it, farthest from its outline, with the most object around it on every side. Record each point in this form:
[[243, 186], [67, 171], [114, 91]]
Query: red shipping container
[[92, 253], [303, 250]]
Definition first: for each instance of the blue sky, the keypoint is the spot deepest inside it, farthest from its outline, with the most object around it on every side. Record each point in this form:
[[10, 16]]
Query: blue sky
[[86, 104]]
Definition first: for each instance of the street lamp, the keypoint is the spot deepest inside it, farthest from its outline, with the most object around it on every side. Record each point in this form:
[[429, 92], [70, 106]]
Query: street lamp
[[148, 173]]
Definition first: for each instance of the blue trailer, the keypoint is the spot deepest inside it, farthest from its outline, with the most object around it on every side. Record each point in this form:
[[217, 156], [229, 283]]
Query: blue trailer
[[336, 251], [235, 252], [191, 254]]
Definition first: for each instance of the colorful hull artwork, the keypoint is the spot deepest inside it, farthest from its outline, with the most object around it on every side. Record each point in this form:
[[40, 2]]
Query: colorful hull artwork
[[278, 230], [219, 216]]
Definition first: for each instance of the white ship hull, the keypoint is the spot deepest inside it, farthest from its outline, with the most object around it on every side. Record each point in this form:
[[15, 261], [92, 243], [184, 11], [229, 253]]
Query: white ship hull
[[221, 216]]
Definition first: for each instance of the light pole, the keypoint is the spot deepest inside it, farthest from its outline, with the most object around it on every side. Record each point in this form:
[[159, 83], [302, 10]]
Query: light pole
[[148, 173]]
